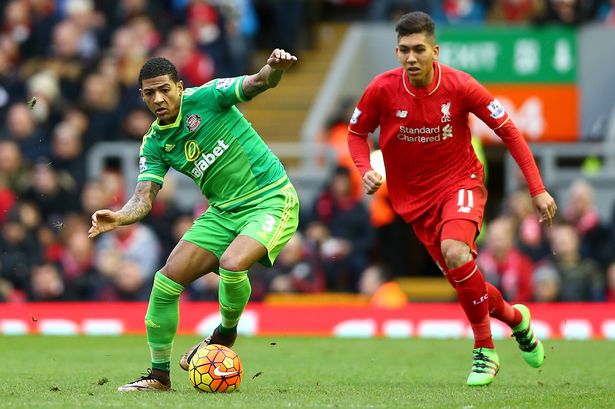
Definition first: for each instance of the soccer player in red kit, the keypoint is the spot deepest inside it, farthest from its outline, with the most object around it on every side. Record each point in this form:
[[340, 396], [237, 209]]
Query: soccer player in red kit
[[435, 180]]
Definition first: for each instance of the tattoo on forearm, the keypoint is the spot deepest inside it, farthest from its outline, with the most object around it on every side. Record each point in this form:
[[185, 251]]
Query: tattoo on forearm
[[140, 204], [266, 78]]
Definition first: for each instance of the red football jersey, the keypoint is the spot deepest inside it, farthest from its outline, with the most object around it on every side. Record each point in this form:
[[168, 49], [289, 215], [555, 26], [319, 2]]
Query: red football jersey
[[425, 138]]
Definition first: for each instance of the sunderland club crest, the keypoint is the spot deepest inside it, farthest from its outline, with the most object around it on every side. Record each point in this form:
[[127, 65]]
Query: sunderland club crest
[[192, 122]]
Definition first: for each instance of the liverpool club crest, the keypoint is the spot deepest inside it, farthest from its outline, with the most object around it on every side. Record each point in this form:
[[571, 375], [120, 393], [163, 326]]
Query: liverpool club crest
[[192, 122]]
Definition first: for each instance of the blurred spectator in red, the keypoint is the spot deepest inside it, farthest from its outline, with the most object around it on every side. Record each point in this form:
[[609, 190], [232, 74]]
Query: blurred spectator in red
[[77, 260], [205, 24], [194, 66], [459, 12], [531, 238], [580, 278], [340, 228], [514, 11], [503, 265], [7, 201], [381, 290]]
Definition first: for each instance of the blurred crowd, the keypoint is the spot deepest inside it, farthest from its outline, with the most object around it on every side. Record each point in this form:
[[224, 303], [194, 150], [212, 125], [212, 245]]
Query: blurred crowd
[[81, 58]]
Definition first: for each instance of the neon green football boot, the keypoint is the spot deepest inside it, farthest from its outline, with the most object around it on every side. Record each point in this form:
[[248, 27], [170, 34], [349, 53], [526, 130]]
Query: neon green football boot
[[531, 348], [485, 366]]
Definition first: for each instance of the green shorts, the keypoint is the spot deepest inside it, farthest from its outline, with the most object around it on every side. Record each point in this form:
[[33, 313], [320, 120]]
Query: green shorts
[[271, 222]]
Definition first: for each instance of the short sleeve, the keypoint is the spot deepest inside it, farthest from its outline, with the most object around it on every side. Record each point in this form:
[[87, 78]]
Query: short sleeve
[[366, 116], [152, 166], [221, 93]]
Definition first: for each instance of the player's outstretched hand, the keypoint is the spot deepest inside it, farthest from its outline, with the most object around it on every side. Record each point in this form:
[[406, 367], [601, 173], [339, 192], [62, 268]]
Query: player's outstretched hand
[[280, 59], [102, 221], [372, 181], [545, 204]]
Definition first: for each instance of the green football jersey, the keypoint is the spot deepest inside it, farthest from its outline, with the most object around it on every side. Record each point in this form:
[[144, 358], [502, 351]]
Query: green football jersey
[[212, 143]]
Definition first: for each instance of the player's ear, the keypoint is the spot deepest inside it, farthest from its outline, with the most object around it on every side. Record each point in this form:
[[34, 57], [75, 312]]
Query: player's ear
[[180, 86], [436, 52], [141, 93]]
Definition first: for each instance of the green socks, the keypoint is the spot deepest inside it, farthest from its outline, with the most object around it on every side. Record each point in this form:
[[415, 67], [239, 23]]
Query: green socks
[[162, 319], [233, 293]]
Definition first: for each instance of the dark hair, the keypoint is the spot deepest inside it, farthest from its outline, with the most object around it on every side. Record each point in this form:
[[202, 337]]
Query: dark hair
[[157, 66], [415, 22]]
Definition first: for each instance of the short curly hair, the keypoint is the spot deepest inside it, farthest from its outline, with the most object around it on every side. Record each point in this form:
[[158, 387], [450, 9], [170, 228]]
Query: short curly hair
[[157, 66], [415, 22]]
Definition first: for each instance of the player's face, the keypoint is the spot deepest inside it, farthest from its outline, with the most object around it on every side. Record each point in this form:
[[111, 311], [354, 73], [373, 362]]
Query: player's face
[[416, 53], [163, 97]]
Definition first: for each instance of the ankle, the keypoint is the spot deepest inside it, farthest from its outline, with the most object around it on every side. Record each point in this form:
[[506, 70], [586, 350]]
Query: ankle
[[161, 375], [227, 332]]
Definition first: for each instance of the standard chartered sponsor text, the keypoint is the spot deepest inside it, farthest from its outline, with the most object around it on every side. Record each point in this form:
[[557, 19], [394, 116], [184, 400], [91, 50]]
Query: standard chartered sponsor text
[[423, 134]]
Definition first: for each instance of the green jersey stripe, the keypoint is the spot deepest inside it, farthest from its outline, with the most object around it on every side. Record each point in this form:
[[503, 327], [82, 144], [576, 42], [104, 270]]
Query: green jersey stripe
[[145, 176], [239, 90], [257, 194], [289, 202]]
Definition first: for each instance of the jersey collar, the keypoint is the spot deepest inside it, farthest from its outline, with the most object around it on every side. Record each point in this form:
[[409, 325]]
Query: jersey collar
[[177, 120], [423, 91]]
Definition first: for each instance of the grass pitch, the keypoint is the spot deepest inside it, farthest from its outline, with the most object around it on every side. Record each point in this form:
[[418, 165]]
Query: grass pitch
[[84, 372]]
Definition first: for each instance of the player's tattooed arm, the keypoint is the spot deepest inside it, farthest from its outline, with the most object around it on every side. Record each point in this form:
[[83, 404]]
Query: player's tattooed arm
[[136, 208], [270, 75], [140, 204]]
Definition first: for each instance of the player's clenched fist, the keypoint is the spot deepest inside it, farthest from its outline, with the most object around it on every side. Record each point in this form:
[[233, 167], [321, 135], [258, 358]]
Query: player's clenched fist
[[372, 181], [280, 59]]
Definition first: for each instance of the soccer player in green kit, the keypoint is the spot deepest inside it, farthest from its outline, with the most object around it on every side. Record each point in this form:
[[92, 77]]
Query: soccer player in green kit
[[253, 207]]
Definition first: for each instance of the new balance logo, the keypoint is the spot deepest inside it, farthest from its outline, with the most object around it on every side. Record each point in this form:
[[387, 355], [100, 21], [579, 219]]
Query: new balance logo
[[401, 114]]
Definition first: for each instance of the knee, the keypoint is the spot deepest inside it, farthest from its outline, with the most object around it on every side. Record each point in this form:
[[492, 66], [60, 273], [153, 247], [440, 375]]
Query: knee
[[456, 253], [234, 262]]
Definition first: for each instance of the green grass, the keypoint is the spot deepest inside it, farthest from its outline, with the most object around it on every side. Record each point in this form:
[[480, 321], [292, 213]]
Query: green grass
[[84, 372]]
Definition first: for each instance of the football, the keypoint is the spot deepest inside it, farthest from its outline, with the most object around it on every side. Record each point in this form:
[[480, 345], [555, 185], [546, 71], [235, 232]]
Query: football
[[215, 368]]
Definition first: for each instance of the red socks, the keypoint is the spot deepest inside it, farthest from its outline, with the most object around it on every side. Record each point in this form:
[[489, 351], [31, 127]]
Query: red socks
[[473, 297], [500, 309]]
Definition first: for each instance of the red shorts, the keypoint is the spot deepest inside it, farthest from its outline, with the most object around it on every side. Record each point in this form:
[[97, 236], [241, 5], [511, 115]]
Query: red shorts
[[458, 218]]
